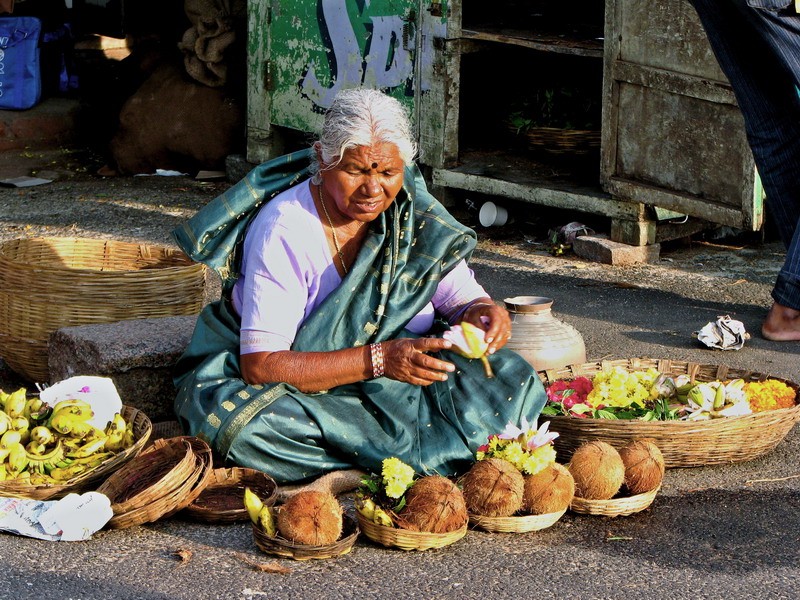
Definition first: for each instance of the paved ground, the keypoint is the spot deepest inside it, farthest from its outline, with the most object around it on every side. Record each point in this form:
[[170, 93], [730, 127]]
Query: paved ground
[[729, 531]]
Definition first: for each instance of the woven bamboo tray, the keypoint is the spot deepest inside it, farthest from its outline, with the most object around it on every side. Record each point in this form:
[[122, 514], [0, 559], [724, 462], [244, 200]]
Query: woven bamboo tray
[[204, 467], [158, 482], [563, 142], [142, 428], [222, 499], [50, 283], [683, 443], [516, 524], [404, 539], [615, 507], [279, 546]]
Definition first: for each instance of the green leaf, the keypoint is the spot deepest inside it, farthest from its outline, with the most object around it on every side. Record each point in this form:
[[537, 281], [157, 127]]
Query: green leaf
[[552, 410], [604, 414]]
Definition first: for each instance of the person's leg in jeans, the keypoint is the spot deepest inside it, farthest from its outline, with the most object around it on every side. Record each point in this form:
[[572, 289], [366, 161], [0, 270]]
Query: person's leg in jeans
[[757, 44]]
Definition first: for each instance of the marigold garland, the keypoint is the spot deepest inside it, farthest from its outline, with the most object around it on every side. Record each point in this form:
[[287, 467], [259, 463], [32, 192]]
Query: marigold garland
[[770, 394]]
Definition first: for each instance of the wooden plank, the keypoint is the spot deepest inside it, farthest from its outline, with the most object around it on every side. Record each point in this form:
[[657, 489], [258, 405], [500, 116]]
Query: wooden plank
[[579, 199], [676, 83], [258, 100], [701, 208], [546, 42]]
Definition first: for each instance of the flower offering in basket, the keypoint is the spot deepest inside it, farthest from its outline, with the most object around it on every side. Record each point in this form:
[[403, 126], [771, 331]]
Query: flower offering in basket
[[650, 395], [397, 509], [697, 414], [516, 483]]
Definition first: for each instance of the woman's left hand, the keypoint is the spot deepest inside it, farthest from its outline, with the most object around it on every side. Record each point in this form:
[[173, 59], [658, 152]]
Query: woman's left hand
[[498, 328]]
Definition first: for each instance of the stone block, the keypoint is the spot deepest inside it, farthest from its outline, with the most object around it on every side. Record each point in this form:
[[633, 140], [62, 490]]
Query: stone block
[[603, 250], [138, 355]]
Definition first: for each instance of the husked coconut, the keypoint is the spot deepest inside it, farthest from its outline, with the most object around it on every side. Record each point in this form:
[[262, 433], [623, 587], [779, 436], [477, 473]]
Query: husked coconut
[[493, 487], [434, 504], [311, 517], [644, 466], [598, 470], [548, 491]]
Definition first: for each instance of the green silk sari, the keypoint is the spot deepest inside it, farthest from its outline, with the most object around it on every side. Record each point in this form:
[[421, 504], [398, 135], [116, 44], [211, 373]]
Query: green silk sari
[[296, 436]]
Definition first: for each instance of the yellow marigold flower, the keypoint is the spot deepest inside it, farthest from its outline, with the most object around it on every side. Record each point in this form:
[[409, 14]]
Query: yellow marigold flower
[[770, 394], [538, 460], [397, 477]]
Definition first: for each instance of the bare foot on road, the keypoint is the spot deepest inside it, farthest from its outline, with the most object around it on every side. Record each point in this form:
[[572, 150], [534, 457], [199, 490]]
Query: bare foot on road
[[782, 324]]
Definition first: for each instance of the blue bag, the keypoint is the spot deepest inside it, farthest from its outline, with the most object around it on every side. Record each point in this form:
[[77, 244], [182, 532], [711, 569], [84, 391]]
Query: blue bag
[[20, 76]]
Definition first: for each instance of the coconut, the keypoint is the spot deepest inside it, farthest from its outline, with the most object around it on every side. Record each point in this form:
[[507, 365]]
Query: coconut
[[311, 517], [434, 504], [644, 466], [548, 491], [493, 488], [598, 470]]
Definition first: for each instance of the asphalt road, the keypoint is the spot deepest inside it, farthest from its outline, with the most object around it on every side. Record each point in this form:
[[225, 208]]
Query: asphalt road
[[724, 531]]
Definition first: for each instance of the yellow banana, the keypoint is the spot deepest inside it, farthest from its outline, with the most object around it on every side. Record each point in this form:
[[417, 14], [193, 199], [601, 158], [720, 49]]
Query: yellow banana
[[35, 448], [67, 473], [46, 461], [10, 438], [42, 435], [15, 403], [116, 424], [3, 473], [128, 439], [253, 504], [5, 422], [267, 521], [76, 406], [365, 506], [88, 448], [115, 441], [32, 407], [17, 458], [381, 517]]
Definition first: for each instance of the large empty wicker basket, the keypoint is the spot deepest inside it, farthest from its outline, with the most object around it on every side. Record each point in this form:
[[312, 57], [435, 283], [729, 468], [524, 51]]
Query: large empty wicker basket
[[50, 283]]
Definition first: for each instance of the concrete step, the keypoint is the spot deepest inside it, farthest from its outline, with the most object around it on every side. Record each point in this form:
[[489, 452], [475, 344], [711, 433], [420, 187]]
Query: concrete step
[[49, 125]]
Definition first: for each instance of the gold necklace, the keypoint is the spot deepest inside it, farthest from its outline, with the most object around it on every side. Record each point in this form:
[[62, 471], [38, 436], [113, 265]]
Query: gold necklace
[[333, 231]]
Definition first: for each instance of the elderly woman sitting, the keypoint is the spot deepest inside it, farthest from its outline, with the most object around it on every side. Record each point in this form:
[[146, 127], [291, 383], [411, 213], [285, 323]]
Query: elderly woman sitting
[[325, 352]]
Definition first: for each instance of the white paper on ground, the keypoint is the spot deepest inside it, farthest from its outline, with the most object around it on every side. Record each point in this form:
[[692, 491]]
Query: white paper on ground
[[99, 392], [72, 518], [724, 333]]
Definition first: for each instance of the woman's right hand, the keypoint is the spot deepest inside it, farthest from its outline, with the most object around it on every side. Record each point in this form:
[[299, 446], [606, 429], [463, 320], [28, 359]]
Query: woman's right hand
[[407, 360]]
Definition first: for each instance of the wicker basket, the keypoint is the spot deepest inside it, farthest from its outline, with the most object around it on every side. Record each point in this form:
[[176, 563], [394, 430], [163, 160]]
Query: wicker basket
[[222, 500], [404, 539], [516, 524], [621, 506], [683, 443], [158, 482], [279, 546], [88, 480], [563, 142], [50, 283]]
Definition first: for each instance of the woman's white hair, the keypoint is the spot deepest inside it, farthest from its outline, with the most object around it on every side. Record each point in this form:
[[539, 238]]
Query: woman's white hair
[[361, 117]]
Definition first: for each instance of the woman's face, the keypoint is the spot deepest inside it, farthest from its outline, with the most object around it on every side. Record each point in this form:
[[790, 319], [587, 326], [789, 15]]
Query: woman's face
[[365, 182]]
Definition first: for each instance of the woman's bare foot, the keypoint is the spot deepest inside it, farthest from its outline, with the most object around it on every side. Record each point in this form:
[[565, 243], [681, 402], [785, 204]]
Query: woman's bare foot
[[782, 324]]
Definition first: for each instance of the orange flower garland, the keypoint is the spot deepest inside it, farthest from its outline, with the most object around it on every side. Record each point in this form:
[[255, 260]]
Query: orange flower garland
[[769, 395]]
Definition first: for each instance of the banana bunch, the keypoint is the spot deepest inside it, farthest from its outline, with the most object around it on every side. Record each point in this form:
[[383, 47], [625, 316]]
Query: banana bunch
[[371, 511], [717, 399], [260, 513], [45, 444]]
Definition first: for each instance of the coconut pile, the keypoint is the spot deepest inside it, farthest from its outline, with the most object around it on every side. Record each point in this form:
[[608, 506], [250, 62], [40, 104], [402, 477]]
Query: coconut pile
[[495, 488], [601, 472]]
